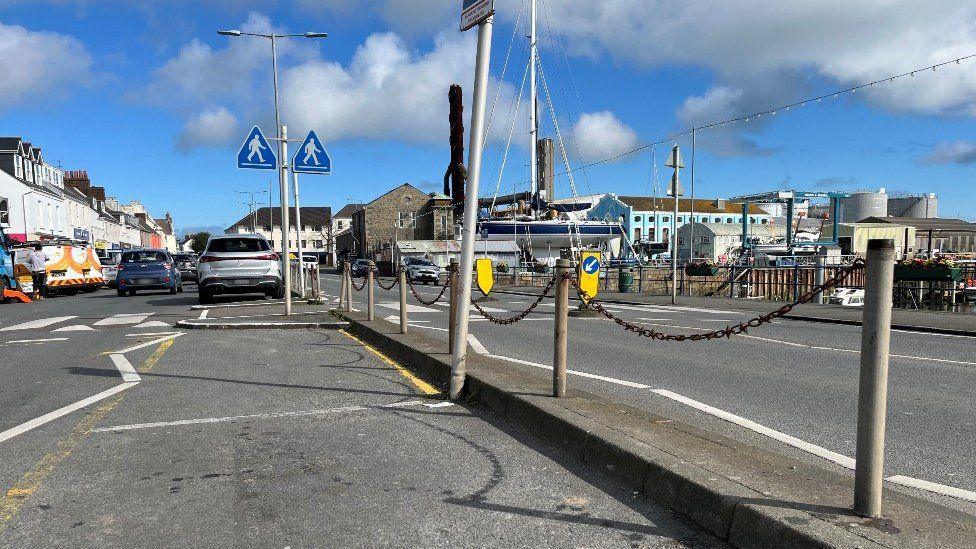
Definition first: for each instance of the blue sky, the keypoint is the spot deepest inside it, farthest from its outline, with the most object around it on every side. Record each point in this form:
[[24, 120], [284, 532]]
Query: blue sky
[[154, 104]]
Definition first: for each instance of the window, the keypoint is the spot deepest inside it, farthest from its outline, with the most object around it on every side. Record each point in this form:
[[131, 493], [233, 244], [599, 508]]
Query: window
[[339, 225], [681, 219], [764, 221], [637, 218], [272, 244], [4, 211], [703, 240], [728, 220], [752, 220], [237, 245], [406, 220], [144, 257], [318, 228], [637, 234], [304, 244], [319, 244], [665, 219], [266, 228], [650, 234]]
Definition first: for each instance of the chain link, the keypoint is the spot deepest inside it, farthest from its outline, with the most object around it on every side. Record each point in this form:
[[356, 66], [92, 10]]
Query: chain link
[[730, 330], [360, 287], [396, 279], [444, 288], [520, 316]]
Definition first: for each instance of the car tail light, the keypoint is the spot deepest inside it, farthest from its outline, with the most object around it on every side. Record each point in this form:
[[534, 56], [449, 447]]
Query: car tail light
[[268, 257], [120, 267], [207, 259]]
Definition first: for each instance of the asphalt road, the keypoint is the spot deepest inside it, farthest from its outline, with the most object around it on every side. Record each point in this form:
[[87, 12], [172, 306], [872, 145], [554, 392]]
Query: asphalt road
[[269, 439], [797, 378]]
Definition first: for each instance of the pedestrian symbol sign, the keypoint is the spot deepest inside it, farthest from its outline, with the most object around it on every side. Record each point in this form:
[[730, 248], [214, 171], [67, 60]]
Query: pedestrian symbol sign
[[311, 157], [589, 275], [256, 153]]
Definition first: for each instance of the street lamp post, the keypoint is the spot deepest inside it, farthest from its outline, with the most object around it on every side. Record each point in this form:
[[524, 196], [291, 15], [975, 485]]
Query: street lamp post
[[282, 137]]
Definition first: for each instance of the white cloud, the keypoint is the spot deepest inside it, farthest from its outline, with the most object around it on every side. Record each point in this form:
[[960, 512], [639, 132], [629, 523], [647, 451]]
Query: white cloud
[[602, 135], [210, 128], [35, 64], [763, 54], [955, 152], [403, 16], [386, 91]]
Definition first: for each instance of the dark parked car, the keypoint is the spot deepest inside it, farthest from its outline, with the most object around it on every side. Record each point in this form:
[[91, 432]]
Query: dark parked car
[[359, 268], [186, 263], [147, 270]]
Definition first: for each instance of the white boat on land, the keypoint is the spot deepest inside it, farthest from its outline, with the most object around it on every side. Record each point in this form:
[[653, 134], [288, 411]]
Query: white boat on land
[[848, 297], [550, 230]]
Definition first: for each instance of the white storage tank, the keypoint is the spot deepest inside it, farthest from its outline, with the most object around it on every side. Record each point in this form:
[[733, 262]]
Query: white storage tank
[[921, 206], [864, 204]]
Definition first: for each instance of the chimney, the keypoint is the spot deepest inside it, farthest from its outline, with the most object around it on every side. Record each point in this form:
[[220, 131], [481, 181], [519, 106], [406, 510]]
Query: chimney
[[98, 193]]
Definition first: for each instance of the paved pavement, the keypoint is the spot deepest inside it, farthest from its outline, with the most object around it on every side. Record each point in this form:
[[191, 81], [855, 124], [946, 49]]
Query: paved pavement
[[790, 386], [269, 438]]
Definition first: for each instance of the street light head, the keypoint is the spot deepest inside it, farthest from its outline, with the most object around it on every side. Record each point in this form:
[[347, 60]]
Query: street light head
[[316, 35], [232, 32]]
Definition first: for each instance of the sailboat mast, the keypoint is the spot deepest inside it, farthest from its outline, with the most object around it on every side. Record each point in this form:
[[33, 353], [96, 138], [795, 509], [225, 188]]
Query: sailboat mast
[[533, 105]]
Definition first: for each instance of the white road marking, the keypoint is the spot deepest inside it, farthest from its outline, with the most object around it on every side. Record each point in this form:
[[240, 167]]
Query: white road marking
[[303, 413], [125, 368], [37, 341], [396, 320], [123, 318], [74, 328], [50, 416], [826, 454], [623, 382], [146, 344], [931, 334], [152, 324], [203, 314], [411, 308], [933, 487], [39, 323], [476, 345], [823, 348], [150, 334]]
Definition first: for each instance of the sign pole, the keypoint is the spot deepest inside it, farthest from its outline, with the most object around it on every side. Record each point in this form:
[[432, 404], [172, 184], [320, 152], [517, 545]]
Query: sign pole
[[477, 141], [298, 243], [285, 221]]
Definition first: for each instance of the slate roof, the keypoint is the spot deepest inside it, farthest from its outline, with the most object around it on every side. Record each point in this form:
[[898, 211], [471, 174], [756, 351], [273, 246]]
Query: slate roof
[[348, 210], [311, 215]]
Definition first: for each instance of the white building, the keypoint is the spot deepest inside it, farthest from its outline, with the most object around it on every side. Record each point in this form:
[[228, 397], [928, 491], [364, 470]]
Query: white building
[[316, 230], [720, 242]]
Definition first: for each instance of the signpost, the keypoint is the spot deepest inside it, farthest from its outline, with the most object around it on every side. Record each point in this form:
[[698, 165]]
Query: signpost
[[589, 274], [486, 275], [476, 11], [674, 190], [256, 153]]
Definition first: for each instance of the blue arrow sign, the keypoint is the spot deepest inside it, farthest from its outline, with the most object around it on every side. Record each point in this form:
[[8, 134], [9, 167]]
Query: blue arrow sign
[[590, 265], [256, 153], [311, 157]]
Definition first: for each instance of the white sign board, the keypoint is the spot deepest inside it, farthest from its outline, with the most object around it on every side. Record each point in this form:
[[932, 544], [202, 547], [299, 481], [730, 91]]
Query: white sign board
[[475, 11]]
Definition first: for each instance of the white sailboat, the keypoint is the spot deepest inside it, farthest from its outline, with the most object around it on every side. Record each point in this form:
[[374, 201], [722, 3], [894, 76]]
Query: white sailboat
[[547, 239]]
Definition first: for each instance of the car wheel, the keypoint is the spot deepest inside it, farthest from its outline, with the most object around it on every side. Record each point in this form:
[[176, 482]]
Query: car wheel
[[279, 292], [132, 293], [205, 297], [121, 293], [4, 285], [179, 288], [172, 291]]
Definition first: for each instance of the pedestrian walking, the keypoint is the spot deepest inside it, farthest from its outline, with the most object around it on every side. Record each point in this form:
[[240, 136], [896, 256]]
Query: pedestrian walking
[[36, 262]]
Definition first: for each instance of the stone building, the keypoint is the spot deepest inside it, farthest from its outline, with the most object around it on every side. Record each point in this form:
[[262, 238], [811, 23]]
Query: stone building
[[393, 216]]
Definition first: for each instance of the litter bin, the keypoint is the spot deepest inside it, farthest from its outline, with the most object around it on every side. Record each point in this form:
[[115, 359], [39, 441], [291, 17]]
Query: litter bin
[[625, 281]]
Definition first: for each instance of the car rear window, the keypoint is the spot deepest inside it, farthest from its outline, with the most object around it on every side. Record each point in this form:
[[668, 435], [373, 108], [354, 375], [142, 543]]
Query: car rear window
[[144, 257], [234, 245], [423, 263]]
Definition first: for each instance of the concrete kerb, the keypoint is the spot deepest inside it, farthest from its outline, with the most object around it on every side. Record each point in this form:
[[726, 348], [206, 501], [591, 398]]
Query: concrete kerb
[[217, 325], [739, 514]]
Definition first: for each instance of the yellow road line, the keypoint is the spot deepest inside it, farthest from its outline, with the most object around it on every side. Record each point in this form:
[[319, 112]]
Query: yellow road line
[[17, 496], [421, 385]]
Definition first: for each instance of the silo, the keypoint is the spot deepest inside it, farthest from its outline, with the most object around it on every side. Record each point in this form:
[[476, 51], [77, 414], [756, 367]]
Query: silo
[[921, 206], [863, 204]]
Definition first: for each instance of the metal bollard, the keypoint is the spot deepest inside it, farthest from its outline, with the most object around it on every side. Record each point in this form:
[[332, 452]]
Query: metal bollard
[[818, 277], [370, 292], [348, 276], [452, 315], [561, 331], [402, 281], [873, 385]]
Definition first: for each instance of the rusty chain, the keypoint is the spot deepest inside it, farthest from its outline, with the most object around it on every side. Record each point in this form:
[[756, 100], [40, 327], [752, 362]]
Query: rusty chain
[[396, 279], [520, 316], [444, 288], [730, 330]]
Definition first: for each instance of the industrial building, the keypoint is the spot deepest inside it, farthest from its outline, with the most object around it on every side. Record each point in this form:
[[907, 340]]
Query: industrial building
[[853, 237], [937, 234]]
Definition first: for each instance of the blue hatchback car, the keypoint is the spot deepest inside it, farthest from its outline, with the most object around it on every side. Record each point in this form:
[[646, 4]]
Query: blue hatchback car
[[148, 270]]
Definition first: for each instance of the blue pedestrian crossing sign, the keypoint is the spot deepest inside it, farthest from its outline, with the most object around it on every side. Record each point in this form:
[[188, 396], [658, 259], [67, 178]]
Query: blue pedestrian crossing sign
[[256, 153], [311, 157]]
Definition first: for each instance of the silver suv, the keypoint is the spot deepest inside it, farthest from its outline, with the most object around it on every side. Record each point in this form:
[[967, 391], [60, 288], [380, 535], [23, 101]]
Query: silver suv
[[422, 270], [239, 264]]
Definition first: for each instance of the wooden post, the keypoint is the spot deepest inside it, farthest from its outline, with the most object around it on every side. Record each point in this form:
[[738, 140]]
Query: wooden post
[[561, 331]]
